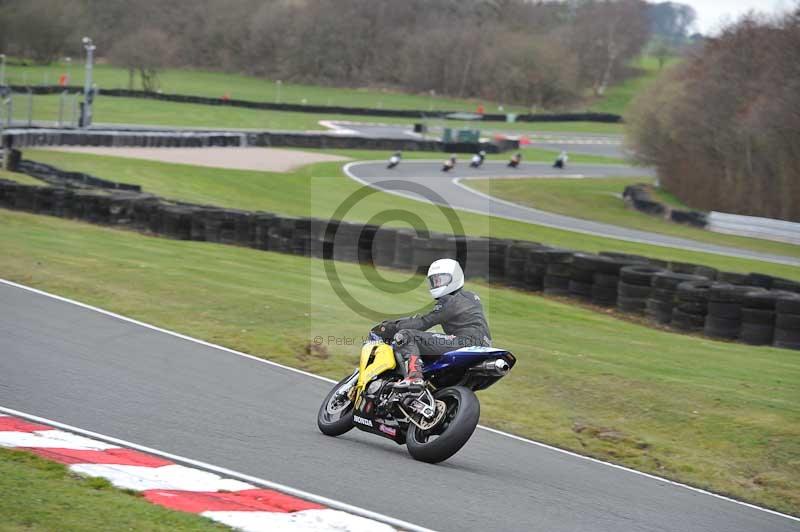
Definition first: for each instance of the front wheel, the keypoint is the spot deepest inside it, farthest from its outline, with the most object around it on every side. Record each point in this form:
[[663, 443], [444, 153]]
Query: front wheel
[[461, 413], [335, 416]]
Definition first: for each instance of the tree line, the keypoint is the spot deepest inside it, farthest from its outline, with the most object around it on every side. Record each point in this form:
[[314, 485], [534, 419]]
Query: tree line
[[533, 53], [723, 127]]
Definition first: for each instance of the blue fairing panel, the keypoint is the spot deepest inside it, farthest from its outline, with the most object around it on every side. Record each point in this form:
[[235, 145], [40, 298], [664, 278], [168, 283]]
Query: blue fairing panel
[[464, 357]]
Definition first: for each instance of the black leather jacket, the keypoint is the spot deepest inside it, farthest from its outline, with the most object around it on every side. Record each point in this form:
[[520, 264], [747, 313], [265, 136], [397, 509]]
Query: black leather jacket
[[459, 314]]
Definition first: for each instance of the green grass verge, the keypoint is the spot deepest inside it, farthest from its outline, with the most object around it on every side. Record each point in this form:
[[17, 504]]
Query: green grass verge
[[718, 415], [241, 87], [617, 97], [20, 178], [159, 113], [38, 494], [599, 199], [317, 190]]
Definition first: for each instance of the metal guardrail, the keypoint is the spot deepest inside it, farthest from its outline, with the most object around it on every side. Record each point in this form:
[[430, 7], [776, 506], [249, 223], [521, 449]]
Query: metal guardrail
[[753, 226]]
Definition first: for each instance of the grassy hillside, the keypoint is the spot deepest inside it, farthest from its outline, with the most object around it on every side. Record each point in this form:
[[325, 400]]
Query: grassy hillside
[[600, 200], [108, 109], [719, 415], [319, 189], [240, 87], [617, 97]]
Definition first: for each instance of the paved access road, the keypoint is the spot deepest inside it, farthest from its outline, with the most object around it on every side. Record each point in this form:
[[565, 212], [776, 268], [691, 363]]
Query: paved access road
[[453, 188], [607, 145], [78, 366]]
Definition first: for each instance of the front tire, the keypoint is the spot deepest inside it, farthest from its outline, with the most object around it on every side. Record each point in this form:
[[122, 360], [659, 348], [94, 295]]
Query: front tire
[[448, 436], [335, 416]]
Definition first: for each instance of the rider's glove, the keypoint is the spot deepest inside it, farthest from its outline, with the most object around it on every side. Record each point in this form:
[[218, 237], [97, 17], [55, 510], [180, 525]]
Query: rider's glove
[[386, 329]]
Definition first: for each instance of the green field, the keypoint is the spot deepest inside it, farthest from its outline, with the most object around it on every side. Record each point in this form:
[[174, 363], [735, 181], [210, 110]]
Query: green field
[[718, 415], [112, 110], [317, 190], [600, 200], [20, 178], [618, 97], [240, 87], [38, 494]]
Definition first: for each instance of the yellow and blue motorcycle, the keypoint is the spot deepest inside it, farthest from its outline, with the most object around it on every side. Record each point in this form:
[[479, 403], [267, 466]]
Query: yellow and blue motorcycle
[[433, 423]]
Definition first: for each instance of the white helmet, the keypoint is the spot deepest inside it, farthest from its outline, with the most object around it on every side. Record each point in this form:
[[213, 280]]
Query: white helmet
[[444, 277]]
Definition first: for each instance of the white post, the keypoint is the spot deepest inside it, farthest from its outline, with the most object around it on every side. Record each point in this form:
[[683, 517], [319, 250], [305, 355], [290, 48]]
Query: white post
[[278, 85], [87, 85]]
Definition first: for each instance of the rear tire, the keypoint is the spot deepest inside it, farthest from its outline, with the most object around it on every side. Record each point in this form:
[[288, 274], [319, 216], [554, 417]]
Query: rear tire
[[334, 417], [452, 432]]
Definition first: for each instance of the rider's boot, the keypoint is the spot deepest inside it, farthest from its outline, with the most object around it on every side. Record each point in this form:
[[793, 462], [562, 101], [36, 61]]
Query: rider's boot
[[413, 381]]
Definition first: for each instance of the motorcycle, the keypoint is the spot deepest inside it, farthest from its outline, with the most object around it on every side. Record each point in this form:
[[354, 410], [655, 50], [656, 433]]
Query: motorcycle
[[394, 160], [433, 423], [477, 161], [449, 164]]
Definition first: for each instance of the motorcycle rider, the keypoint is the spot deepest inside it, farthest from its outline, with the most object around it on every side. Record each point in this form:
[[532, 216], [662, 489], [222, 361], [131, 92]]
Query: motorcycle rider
[[561, 160], [394, 160], [449, 164], [477, 159], [458, 311], [515, 160]]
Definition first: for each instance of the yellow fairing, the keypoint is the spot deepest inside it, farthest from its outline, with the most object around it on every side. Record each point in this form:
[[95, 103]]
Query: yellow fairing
[[376, 357]]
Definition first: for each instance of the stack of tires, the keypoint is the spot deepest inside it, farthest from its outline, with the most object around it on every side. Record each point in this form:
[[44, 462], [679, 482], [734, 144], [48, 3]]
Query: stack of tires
[[498, 252], [787, 322], [473, 254], [581, 275], [516, 260], [634, 287], [663, 297], [695, 269], [383, 246], [724, 319], [691, 306], [595, 278], [758, 316], [557, 269], [605, 281]]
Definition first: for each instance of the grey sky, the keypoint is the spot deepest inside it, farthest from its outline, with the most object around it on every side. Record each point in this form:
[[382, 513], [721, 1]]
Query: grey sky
[[712, 13]]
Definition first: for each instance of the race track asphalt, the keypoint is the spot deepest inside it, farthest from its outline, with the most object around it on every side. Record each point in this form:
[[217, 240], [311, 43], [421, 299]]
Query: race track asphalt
[[452, 189], [78, 366]]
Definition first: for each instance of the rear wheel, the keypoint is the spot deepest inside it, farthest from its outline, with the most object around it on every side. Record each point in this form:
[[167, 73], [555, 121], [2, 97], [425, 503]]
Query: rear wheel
[[461, 411], [335, 416]]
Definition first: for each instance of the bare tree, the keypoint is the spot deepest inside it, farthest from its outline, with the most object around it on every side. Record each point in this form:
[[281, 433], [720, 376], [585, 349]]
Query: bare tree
[[605, 35], [145, 51], [722, 128]]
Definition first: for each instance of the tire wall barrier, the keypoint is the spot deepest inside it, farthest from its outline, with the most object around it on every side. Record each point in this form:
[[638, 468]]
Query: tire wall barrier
[[753, 308], [638, 197], [323, 109], [29, 138]]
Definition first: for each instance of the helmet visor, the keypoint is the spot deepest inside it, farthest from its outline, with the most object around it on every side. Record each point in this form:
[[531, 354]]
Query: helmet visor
[[438, 280]]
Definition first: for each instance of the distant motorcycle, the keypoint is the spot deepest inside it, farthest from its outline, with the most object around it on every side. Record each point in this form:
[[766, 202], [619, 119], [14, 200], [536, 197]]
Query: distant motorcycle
[[394, 160], [449, 164], [515, 160], [561, 160], [434, 423], [477, 159]]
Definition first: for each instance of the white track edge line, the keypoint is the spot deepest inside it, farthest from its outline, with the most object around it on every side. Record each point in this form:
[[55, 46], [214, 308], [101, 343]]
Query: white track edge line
[[337, 505], [320, 377], [774, 260]]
